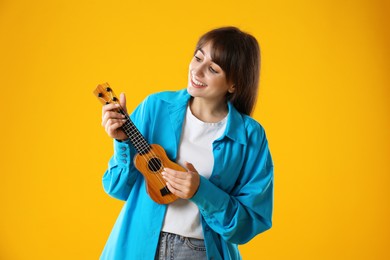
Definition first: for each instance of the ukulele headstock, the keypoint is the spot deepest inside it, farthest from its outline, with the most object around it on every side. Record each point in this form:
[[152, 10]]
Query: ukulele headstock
[[105, 94]]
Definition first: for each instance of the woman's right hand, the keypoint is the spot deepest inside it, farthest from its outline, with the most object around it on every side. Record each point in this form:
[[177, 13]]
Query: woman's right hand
[[112, 120]]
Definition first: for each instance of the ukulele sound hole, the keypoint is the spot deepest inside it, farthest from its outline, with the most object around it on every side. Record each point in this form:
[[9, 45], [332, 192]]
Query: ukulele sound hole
[[154, 164]]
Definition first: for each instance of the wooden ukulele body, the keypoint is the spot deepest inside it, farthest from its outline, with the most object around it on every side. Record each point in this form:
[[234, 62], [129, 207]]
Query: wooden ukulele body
[[151, 165]]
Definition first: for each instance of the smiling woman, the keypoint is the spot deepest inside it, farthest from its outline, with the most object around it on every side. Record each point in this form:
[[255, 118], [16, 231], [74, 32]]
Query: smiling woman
[[208, 84], [235, 55], [226, 192]]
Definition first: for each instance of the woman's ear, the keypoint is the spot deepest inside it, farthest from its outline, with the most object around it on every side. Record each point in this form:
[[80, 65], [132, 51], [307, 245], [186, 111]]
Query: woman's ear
[[231, 89]]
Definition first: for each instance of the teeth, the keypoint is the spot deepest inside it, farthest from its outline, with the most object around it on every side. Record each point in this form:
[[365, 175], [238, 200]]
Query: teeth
[[197, 82]]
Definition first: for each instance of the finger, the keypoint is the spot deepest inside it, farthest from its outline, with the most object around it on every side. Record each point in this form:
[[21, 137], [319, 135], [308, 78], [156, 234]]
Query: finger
[[122, 101], [113, 131], [172, 189], [174, 173], [109, 107], [174, 179], [180, 191], [190, 167], [111, 115], [175, 190], [112, 125]]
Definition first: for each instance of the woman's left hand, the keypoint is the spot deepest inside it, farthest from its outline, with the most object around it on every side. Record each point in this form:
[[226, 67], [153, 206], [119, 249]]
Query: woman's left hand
[[182, 184]]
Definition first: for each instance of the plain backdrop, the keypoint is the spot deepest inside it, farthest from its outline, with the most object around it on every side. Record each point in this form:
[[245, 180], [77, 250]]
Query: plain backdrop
[[324, 102]]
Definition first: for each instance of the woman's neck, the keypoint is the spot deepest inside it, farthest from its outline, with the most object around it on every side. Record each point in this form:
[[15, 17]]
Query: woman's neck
[[208, 111]]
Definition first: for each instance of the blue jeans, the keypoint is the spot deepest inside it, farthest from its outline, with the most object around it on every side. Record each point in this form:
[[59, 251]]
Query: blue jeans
[[176, 247]]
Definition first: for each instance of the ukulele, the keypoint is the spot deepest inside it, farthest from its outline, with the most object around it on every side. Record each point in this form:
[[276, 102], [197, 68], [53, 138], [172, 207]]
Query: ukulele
[[150, 159]]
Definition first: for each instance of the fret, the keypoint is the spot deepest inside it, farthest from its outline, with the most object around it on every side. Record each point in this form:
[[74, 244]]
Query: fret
[[135, 137]]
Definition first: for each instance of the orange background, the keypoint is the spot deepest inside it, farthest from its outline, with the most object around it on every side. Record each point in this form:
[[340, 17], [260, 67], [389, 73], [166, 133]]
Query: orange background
[[324, 102]]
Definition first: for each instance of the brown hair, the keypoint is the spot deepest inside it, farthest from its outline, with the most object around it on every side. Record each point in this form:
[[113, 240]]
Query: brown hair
[[238, 54]]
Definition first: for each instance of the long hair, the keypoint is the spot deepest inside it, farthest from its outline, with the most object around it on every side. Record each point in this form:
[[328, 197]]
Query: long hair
[[238, 54]]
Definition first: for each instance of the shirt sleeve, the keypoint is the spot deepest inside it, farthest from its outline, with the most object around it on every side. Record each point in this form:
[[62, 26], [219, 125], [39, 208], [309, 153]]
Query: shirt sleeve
[[121, 174], [246, 211], [118, 179]]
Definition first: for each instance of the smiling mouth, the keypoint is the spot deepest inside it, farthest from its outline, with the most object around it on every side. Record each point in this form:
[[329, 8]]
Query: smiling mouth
[[197, 84]]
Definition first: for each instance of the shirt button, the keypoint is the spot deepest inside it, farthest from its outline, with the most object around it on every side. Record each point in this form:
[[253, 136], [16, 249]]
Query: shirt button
[[124, 161], [217, 148], [123, 148], [124, 155]]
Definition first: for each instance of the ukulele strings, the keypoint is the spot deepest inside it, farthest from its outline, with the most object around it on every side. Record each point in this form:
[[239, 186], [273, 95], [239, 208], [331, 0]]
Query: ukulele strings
[[143, 146], [148, 156]]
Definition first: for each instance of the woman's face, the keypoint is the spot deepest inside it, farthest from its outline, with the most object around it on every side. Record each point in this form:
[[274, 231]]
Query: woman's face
[[205, 78]]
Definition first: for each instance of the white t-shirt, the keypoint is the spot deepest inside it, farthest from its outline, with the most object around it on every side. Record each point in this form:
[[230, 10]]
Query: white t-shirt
[[182, 216]]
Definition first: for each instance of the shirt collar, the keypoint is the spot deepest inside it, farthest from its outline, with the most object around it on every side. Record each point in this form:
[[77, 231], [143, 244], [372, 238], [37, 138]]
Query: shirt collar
[[235, 128]]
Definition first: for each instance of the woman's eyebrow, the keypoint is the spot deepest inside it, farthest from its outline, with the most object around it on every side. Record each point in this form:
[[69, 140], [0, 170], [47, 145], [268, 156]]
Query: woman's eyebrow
[[202, 51]]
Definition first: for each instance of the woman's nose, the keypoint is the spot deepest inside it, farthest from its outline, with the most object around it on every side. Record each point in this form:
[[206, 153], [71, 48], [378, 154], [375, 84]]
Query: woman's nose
[[199, 70]]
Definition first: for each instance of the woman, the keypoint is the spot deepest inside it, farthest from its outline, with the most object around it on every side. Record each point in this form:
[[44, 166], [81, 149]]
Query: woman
[[226, 194]]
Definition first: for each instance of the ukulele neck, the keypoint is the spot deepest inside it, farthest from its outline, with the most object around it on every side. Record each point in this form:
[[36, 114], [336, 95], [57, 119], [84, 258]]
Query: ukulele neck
[[135, 137], [107, 96]]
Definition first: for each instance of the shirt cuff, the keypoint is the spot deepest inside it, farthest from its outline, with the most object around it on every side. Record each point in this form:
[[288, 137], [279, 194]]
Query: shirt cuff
[[122, 152], [209, 198]]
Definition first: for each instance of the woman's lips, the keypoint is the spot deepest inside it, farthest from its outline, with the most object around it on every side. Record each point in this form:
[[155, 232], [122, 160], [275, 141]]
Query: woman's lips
[[197, 86]]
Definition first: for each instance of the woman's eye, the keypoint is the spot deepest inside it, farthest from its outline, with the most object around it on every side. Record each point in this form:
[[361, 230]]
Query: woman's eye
[[212, 70], [197, 58]]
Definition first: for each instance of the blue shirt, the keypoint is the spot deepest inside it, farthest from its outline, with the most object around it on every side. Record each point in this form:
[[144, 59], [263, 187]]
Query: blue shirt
[[235, 202]]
